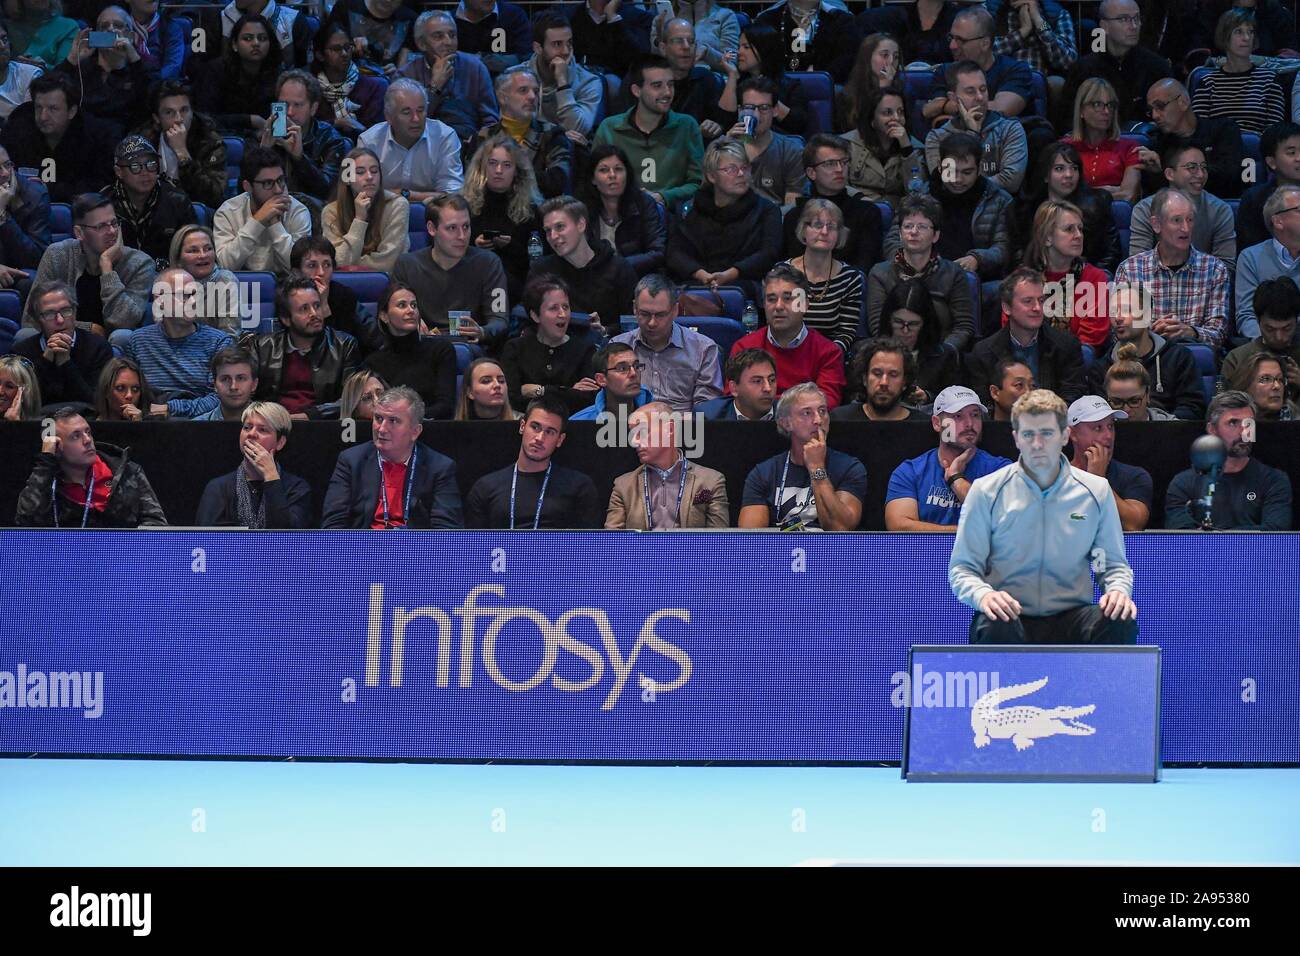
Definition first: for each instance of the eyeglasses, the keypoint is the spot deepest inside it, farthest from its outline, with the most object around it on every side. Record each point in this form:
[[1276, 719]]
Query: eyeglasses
[[337, 48], [734, 170], [901, 326], [822, 225], [277, 183], [758, 107], [624, 367], [7, 165], [1101, 104], [150, 165], [1158, 105], [1119, 404], [67, 312], [1286, 210], [953, 38], [103, 226], [922, 226], [1195, 167], [1267, 380], [832, 164], [1130, 20]]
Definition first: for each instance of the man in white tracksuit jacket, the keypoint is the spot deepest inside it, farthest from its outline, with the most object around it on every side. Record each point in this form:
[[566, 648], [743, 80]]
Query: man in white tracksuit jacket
[[1030, 534]]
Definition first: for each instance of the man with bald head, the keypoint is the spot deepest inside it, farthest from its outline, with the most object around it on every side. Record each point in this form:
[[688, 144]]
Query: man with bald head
[[1127, 66], [666, 491], [1218, 137], [1188, 288], [696, 88]]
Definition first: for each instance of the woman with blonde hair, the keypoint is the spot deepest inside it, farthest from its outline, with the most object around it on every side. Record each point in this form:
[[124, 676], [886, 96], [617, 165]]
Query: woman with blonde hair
[[501, 190], [1056, 250], [366, 224], [194, 250], [20, 395], [484, 393], [1109, 163], [360, 389]]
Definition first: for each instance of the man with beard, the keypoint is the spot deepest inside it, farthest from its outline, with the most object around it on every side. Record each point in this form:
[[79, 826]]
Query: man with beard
[[1248, 496], [926, 492], [533, 493], [810, 487], [302, 365], [547, 144], [1092, 433], [886, 370]]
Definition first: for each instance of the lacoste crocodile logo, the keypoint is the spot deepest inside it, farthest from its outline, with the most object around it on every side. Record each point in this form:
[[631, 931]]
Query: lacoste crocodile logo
[[1075, 516], [1022, 725]]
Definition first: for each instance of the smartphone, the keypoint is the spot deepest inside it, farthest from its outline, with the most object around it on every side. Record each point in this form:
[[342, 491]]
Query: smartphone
[[665, 7], [279, 119], [102, 39], [491, 234]]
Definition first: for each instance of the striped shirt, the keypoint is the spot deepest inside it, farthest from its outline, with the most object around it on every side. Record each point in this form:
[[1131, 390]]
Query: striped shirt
[[1253, 99], [1195, 292], [835, 307], [179, 365]]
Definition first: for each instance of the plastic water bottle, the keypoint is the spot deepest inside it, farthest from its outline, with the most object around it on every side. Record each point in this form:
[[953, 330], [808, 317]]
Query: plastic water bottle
[[535, 246], [915, 183], [750, 317]]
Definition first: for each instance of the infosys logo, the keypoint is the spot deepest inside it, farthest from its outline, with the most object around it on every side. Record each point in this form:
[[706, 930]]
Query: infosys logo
[[555, 638]]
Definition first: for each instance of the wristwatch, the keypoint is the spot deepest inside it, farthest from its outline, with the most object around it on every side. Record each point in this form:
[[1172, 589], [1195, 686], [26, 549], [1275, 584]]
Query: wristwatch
[[818, 474], [406, 194], [949, 481]]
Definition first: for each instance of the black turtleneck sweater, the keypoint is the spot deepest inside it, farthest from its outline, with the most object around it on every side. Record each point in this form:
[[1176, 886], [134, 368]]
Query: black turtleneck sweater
[[427, 365], [957, 236]]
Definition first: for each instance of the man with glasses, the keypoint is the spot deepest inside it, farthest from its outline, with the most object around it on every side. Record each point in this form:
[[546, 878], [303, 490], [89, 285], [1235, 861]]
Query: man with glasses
[[1173, 383], [66, 362], [826, 166], [1122, 62], [696, 88], [618, 373], [150, 208], [255, 231], [175, 350], [52, 133], [1276, 303], [680, 366], [1280, 147], [113, 282], [1092, 433], [775, 160], [1213, 233], [1010, 84], [1219, 138], [1275, 258]]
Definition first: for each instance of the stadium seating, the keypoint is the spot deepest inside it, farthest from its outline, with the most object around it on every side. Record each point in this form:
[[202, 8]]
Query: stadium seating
[[8, 329], [1250, 150], [1038, 102], [725, 331], [234, 156], [415, 230], [261, 302], [886, 217], [203, 214], [1088, 355], [60, 221], [10, 305], [367, 286], [1122, 213], [819, 89], [1205, 364]]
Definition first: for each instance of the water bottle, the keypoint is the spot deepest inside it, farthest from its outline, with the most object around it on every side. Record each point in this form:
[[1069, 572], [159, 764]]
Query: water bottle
[[535, 246], [915, 183], [750, 317]]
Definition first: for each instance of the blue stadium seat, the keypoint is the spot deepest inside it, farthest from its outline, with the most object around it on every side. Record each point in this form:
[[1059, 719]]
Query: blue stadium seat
[[1195, 77], [726, 332], [612, 86], [313, 23], [11, 306], [203, 214], [742, 19], [1250, 150], [415, 230], [464, 355], [916, 90], [1233, 204], [733, 300], [261, 302], [367, 286], [819, 89], [234, 156], [1205, 364], [1038, 102], [8, 329], [886, 217], [187, 31], [1088, 355], [60, 221], [1122, 213], [1141, 139]]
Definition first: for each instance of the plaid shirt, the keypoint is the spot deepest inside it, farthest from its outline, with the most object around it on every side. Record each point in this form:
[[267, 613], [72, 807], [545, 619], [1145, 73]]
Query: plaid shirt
[[1050, 50], [1195, 293]]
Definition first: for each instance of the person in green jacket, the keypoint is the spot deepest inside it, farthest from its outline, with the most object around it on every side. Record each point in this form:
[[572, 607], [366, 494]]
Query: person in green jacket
[[665, 147], [38, 31]]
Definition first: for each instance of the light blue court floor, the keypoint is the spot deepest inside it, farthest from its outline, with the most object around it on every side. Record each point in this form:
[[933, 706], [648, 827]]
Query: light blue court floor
[[135, 813]]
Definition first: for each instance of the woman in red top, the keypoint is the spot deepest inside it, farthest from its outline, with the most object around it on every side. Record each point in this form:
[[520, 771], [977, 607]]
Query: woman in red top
[[1109, 163], [1075, 289]]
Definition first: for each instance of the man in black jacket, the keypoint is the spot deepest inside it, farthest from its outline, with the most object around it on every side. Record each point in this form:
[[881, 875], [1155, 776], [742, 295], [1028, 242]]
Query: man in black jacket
[[393, 481], [826, 164], [304, 364], [1126, 65], [78, 484], [1055, 358], [1218, 137], [549, 147], [24, 222], [191, 149], [313, 149], [67, 362], [149, 207], [258, 494], [600, 280], [51, 133]]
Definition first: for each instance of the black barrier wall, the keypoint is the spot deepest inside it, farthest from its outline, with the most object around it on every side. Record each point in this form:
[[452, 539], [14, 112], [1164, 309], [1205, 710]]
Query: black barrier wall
[[181, 457]]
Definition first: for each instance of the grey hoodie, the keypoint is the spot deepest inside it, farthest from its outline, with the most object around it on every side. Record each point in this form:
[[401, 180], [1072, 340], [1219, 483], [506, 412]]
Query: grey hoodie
[[1175, 380]]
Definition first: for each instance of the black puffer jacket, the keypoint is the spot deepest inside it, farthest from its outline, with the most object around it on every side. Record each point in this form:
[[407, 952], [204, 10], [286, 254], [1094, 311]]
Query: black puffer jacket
[[131, 500], [604, 285], [745, 236]]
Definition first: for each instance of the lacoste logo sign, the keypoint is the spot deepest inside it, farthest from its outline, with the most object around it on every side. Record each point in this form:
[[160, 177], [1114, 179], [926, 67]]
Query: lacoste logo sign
[[1075, 516]]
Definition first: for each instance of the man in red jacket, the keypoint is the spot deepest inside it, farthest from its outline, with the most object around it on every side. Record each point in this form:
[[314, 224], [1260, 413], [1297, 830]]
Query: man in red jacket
[[801, 354]]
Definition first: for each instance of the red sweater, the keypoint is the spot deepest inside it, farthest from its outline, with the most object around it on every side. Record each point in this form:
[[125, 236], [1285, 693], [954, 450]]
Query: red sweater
[[815, 359]]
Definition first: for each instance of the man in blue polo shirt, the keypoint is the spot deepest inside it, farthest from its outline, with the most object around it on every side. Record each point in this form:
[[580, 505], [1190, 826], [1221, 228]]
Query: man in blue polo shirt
[[926, 492], [1092, 433]]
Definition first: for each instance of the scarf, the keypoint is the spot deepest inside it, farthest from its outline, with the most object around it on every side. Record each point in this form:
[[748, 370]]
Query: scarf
[[337, 93], [139, 221], [250, 514], [516, 129], [141, 37], [905, 271]]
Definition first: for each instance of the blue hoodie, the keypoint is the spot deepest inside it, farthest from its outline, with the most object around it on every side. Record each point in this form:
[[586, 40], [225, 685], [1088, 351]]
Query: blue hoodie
[[593, 411]]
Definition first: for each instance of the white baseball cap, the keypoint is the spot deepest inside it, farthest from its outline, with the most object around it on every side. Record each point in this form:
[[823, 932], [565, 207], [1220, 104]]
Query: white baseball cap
[[1091, 408], [956, 397]]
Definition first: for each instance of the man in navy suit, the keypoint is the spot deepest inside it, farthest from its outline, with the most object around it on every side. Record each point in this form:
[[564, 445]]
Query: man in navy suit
[[393, 481], [753, 390]]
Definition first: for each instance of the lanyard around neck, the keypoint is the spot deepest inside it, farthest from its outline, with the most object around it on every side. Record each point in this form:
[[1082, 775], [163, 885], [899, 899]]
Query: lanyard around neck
[[90, 495], [410, 483], [645, 490], [541, 496]]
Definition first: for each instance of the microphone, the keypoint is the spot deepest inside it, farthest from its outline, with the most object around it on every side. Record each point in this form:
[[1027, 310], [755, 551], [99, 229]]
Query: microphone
[[1208, 455]]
